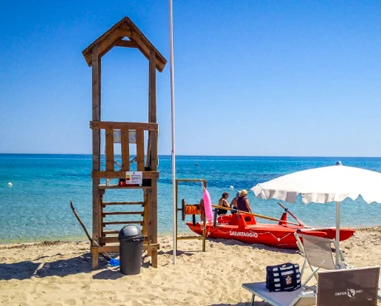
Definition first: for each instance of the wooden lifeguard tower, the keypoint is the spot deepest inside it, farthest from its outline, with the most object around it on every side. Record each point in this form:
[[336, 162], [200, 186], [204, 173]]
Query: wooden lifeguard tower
[[124, 34]]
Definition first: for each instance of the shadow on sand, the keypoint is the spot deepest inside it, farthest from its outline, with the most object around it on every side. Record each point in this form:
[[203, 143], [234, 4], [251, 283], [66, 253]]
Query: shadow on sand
[[62, 267], [39, 268], [179, 252], [82, 264]]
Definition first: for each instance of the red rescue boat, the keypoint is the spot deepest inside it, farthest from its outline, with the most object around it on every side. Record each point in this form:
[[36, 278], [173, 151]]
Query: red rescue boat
[[244, 227]]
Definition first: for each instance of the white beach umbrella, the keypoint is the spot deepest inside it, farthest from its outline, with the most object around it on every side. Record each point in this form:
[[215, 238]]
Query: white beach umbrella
[[323, 185]]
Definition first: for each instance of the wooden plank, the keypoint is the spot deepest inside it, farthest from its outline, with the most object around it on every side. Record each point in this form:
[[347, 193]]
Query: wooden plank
[[152, 225], [110, 232], [107, 249], [113, 213], [122, 174], [148, 158], [135, 32], [112, 40], [96, 99], [115, 248], [192, 180], [124, 28], [144, 48], [154, 150], [127, 44], [96, 106], [107, 44], [125, 149], [94, 258], [140, 149], [123, 32], [105, 223], [151, 108], [152, 88], [124, 125], [103, 186], [109, 239], [115, 232], [110, 149], [100, 194], [147, 201], [106, 41], [101, 214], [122, 203]]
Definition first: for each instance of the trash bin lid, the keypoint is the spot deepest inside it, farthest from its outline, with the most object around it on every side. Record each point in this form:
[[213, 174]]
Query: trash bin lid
[[129, 231]]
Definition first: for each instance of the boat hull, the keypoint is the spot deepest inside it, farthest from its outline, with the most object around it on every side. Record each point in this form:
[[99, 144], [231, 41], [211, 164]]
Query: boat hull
[[244, 228]]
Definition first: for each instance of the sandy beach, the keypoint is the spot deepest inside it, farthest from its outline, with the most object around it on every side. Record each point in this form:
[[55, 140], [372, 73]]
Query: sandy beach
[[59, 273]]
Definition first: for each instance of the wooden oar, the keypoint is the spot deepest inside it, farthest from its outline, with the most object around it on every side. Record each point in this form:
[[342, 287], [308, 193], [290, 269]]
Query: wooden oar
[[291, 214], [104, 255], [256, 215]]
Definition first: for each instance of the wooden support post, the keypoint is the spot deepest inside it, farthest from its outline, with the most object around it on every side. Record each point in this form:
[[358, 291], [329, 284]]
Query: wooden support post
[[94, 257], [110, 149], [152, 136], [140, 149], [101, 208], [152, 225], [146, 206], [202, 216], [96, 116], [152, 87], [125, 139], [154, 150]]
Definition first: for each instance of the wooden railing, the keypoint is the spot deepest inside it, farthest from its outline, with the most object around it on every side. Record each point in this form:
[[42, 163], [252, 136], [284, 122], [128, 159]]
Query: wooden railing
[[150, 169]]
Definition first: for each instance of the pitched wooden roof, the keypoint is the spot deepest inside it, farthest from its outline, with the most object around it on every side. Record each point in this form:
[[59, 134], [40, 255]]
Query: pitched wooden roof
[[115, 37]]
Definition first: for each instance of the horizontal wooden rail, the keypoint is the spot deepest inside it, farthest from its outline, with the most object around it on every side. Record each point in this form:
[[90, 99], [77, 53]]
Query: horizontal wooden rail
[[115, 248], [111, 213], [122, 203], [191, 180], [127, 44], [124, 125], [108, 239], [122, 174], [103, 186], [121, 222], [109, 232], [113, 232]]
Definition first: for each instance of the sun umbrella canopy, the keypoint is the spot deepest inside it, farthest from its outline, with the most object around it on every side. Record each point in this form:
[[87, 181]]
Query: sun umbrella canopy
[[322, 185]]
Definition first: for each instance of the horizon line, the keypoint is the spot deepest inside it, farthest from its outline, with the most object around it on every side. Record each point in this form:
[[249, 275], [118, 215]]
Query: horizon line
[[192, 155]]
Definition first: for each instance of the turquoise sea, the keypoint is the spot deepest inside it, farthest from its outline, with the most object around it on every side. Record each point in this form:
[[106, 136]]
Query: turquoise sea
[[36, 207]]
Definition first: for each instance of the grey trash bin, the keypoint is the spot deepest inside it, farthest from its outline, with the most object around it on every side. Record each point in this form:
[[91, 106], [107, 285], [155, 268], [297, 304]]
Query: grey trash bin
[[130, 249]]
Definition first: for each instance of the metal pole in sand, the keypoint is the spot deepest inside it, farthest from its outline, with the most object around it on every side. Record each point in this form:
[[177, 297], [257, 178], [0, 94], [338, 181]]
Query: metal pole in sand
[[172, 78]]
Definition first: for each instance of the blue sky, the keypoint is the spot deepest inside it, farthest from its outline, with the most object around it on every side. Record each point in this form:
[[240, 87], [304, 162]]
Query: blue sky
[[251, 77]]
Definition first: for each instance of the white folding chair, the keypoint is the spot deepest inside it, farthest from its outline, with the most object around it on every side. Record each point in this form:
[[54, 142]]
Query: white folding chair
[[317, 252]]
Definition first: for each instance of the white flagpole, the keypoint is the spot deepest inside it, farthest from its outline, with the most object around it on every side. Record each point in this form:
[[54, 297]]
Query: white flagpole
[[172, 76]]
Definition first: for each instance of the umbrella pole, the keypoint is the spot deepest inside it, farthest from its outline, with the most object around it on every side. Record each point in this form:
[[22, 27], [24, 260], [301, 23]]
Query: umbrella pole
[[337, 240]]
